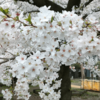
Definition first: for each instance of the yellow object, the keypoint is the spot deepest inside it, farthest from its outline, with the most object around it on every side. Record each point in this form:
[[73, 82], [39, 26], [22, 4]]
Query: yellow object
[[90, 84]]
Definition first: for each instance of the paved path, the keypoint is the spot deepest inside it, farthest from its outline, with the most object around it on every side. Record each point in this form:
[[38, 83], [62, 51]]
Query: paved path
[[76, 86]]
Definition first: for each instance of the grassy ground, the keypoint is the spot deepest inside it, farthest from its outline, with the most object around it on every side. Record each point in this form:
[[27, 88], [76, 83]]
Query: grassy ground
[[86, 96], [76, 82]]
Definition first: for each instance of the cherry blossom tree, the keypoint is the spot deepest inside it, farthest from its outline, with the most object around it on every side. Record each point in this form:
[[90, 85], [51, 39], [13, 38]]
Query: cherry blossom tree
[[40, 39]]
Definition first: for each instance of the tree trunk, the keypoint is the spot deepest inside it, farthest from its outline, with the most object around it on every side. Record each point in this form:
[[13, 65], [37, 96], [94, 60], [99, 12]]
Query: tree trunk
[[82, 72], [64, 74]]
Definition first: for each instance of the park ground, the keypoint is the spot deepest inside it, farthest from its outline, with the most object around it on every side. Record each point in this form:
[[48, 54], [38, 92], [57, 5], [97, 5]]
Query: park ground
[[76, 90]]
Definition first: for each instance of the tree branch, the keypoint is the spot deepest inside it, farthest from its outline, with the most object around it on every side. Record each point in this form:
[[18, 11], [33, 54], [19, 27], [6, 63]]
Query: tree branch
[[4, 58], [72, 3], [10, 53], [13, 58], [54, 6], [83, 17], [7, 59], [88, 14], [40, 3], [86, 4], [31, 11]]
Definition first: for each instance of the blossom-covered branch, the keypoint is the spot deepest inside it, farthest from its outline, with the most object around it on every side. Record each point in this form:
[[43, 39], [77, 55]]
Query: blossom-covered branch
[[40, 3], [6, 60], [86, 4]]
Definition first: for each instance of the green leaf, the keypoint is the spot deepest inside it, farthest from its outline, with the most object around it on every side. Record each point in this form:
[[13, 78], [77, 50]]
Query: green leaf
[[29, 19], [70, 22], [86, 22], [5, 11], [17, 17], [65, 42], [1, 9], [52, 18], [92, 39], [57, 49], [59, 23], [89, 26], [17, 54]]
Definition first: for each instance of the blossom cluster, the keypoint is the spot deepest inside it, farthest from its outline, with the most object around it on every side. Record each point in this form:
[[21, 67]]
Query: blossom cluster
[[21, 90], [40, 43], [48, 87], [90, 64], [5, 76], [6, 94]]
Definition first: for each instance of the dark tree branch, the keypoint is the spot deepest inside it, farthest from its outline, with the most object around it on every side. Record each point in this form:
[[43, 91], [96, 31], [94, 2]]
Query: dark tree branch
[[40, 3], [31, 11], [7, 59], [96, 10], [98, 33], [72, 3], [84, 16], [54, 6]]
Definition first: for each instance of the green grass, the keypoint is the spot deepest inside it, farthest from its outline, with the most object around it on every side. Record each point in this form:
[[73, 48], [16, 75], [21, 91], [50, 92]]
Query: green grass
[[1, 95], [92, 94], [86, 94]]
